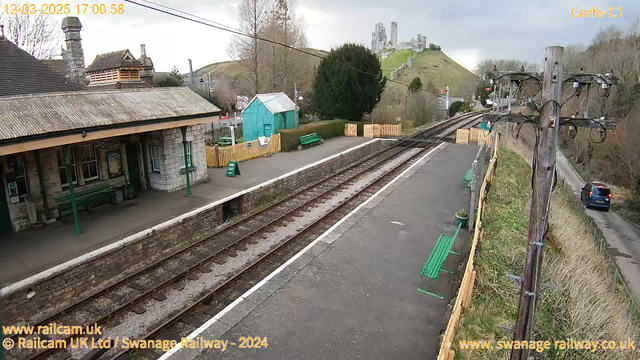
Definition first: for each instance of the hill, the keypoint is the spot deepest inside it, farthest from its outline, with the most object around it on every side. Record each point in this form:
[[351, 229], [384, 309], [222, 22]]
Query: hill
[[233, 68], [432, 66]]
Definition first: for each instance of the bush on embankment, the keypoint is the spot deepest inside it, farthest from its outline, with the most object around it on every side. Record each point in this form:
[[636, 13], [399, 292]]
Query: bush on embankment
[[582, 303], [290, 138]]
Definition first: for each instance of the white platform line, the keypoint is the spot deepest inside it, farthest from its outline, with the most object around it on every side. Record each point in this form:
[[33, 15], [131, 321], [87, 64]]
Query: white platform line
[[257, 286]]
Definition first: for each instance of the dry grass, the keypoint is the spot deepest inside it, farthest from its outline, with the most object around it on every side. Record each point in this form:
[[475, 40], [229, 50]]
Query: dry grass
[[595, 310], [584, 303]]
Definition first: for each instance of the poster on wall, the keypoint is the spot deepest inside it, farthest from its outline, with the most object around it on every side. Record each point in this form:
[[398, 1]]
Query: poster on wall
[[114, 163]]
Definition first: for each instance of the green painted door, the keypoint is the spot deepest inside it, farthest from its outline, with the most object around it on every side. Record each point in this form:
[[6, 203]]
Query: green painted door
[[268, 130], [134, 167], [5, 220]]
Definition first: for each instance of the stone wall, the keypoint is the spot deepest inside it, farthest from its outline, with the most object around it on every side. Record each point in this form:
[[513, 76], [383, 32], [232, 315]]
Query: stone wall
[[71, 285], [304, 178], [172, 174]]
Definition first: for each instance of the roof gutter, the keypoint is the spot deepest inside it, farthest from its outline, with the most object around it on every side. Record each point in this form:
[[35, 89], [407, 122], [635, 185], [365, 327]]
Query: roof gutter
[[85, 131]]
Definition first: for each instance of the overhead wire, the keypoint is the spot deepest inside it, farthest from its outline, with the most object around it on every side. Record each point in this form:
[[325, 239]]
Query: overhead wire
[[203, 21]]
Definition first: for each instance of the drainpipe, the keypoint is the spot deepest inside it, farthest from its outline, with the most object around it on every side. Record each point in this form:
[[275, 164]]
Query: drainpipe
[[67, 160], [43, 189], [186, 159]]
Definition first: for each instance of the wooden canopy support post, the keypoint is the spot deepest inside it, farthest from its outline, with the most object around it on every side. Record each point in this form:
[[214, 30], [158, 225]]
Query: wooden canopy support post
[[67, 161], [183, 129], [43, 189]]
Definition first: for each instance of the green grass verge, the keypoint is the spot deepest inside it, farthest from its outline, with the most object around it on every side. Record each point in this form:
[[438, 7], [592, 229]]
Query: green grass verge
[[290, 139], [502, 251]]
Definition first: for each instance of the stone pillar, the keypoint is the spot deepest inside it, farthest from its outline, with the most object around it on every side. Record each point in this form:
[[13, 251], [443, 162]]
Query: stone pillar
[[74, 55]]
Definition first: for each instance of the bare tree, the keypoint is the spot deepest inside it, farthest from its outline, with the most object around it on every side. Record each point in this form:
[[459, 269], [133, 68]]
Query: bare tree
[[37, 34], [287, 67], [252, 16]]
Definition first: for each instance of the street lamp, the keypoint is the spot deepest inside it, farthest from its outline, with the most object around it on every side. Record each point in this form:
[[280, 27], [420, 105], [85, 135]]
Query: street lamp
[[208, 88]]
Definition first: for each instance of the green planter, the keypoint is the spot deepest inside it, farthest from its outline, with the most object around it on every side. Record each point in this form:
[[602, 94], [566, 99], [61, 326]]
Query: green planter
[[462, 221]]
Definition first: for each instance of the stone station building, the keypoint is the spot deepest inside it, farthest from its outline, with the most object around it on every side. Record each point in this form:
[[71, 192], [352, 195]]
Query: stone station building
[[120, 142]]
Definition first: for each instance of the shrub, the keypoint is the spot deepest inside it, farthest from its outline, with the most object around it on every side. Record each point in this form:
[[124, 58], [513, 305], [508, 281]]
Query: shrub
[[290, 139]]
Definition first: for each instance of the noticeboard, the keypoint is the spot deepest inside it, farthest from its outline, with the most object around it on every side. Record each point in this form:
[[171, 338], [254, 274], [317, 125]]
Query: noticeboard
[[233, 169]]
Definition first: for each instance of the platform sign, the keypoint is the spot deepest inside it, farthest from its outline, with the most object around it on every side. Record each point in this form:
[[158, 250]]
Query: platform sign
[[233, 169]]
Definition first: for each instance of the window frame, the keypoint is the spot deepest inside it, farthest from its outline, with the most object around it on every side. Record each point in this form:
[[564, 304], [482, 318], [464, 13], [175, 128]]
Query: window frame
[[24, 178], [154, 156], [189, 152], [60, 158], [94, 160]]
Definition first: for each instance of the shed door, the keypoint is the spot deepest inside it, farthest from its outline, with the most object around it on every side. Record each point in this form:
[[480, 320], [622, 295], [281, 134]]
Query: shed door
[[268, 130]]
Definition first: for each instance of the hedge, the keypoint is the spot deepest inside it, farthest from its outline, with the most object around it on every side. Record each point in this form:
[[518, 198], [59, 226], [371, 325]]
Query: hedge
[[290, 139]]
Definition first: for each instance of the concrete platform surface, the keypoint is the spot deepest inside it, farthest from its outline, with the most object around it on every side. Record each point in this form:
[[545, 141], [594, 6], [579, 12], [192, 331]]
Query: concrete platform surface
[[29, 252], [353, 292]]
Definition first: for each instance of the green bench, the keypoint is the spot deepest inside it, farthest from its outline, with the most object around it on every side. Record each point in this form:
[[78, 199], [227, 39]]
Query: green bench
[[85, 199], [433, 267], [467, 177], [224, 141], [309, 139]]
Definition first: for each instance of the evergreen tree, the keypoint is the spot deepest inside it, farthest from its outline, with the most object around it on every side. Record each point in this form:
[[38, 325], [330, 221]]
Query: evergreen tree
[[348, 83], [174, 79]]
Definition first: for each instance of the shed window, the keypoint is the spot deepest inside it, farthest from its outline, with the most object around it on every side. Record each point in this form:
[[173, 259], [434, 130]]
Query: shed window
[[189, 156], [154, 153], [89, 162], [62, 170]]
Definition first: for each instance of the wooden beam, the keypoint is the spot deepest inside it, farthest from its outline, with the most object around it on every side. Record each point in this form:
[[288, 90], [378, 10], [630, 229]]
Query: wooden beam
[[100, 134]]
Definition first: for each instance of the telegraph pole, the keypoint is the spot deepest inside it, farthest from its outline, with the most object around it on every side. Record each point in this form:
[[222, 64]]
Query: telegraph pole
[[545, 165]]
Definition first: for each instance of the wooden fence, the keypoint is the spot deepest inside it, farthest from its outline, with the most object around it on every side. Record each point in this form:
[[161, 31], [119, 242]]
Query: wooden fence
[[462, 136], [479, 135], [350, 130], [380, 130], [463, 300], [465, 136], [220, 156]]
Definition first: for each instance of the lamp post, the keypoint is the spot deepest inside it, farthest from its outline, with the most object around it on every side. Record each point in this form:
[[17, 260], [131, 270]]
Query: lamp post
[[297, 97], [208, 87]]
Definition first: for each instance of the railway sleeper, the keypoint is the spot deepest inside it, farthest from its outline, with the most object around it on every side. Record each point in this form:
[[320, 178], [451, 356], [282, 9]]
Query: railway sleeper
[[158, 296]]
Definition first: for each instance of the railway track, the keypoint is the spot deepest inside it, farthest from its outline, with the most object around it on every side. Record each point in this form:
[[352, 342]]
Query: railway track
[[140, 291]]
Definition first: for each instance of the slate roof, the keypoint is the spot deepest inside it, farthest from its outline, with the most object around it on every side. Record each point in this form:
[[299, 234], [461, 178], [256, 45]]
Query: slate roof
[[21, 73], [275, 102], [113, 60], [59, 66], [60, 112]]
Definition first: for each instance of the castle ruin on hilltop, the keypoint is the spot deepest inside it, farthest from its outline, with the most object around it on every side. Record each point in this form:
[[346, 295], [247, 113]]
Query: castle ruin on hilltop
[[379, 40]]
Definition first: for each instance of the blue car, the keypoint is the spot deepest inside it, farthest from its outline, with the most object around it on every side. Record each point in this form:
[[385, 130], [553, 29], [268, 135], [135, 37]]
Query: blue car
[[596, 195]]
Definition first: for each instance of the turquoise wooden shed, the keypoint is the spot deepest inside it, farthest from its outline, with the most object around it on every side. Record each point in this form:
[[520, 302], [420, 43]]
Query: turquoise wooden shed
[[267, 113]]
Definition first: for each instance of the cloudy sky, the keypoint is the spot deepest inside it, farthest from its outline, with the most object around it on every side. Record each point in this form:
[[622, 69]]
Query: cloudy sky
[[467, 30]]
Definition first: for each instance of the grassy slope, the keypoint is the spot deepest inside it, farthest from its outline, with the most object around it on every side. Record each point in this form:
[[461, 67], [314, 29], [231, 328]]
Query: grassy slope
[[582, 305], [434, 66], [233, 68]]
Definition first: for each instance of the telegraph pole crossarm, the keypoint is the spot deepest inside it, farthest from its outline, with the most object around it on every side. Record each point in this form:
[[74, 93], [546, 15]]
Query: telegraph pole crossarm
[[596, 123]]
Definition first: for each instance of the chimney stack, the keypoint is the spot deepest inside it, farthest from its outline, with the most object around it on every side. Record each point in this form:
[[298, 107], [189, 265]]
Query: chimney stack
[[74, 55], [148, 71]]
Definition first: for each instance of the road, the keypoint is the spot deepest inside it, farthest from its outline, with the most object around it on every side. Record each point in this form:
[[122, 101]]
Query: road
[[623, 238]]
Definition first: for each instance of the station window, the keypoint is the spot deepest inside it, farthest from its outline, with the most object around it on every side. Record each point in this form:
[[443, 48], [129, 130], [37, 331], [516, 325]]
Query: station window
[[154, 152], [62, 170], [19, 165], [89, 162], [189, 156]]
